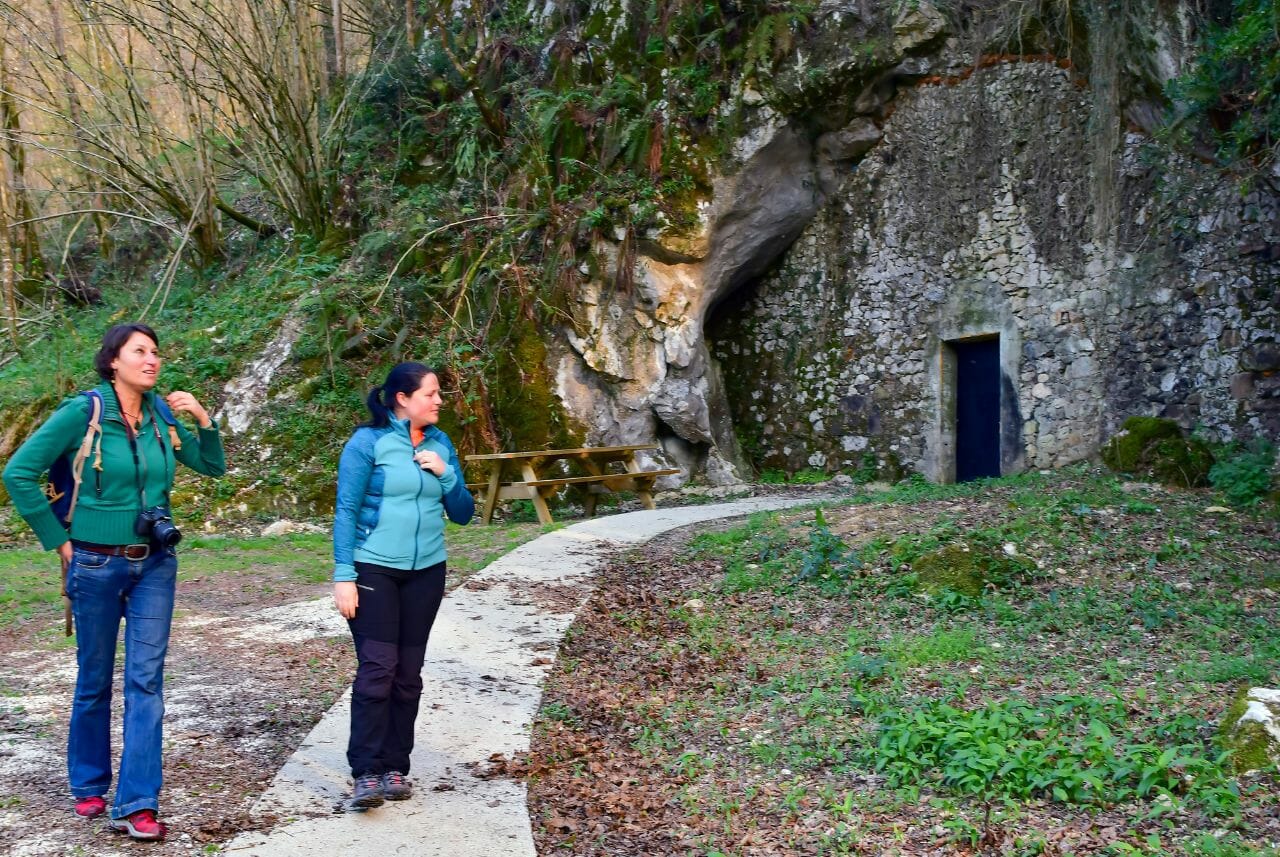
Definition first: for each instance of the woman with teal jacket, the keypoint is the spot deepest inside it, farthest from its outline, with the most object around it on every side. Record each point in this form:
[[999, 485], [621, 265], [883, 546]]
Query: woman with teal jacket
[[397, 479], [119, 561]]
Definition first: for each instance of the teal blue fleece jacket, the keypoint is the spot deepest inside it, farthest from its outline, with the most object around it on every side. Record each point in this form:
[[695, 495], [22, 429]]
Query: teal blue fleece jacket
[[389, 510]]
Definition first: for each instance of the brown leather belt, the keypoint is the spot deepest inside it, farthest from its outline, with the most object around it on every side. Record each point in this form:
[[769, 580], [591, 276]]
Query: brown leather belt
[[133, 552]]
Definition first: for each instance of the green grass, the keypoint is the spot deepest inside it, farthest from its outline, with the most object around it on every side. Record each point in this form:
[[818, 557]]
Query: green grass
[[29, 583], [306, 558], [1085, 684], [943, 646]]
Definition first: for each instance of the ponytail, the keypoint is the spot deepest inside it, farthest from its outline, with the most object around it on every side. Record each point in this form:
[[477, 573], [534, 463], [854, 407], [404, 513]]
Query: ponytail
[[379, 416], [403, 378]]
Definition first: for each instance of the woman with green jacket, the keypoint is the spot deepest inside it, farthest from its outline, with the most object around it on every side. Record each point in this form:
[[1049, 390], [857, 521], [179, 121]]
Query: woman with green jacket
[[119, 561]]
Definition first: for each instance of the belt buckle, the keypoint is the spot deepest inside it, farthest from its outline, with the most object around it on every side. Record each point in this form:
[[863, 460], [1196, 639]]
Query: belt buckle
[[136, 552]]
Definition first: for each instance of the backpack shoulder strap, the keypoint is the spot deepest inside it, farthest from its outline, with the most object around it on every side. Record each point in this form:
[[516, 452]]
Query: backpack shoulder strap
[[93, 431], [166, 416]]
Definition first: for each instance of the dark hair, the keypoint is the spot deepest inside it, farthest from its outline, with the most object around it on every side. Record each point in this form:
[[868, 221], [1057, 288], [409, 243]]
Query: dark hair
[[113, 340], [403, 378]]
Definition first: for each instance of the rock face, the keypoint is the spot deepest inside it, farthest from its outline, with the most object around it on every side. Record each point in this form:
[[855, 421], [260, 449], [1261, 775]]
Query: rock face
[[881, 210], [641, 370], [976, 217], [246, 395]]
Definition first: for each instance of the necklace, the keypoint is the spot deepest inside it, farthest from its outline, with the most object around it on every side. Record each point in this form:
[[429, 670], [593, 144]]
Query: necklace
[[134, 420]]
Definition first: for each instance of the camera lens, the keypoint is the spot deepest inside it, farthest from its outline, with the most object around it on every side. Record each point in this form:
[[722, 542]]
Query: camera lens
[[165, 533]]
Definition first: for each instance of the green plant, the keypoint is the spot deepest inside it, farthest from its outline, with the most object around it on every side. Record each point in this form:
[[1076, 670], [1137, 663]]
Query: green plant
[[1066, 749], [1231, 91], [1243, 473], [826, 559], [944, 645], [1225, 845], [559, 712]]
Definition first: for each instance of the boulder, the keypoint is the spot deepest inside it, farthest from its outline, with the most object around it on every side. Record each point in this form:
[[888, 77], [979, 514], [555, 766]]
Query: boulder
[[1250, 729], [1155, 448], [851, 142], [284, 528], [917, 26], [967, 568]]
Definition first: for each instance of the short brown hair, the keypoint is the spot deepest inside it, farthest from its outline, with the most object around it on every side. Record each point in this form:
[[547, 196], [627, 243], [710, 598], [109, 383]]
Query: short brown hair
[[113, 340]]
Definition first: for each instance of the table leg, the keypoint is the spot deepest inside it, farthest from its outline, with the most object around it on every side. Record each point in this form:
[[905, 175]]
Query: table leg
[[535, 494], [642, 485], [593, 468], [491, 496]]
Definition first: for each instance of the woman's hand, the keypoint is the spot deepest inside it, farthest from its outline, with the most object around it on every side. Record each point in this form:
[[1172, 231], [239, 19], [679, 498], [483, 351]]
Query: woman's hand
[[64, 553], [430, 461], [346, 597], [181, 402]]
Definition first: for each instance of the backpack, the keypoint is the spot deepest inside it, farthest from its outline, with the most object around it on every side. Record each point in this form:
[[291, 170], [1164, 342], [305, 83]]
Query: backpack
[[66, 474]]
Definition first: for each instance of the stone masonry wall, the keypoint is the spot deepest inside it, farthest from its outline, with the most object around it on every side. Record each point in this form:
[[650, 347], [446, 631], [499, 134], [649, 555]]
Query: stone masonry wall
[[977, 215]]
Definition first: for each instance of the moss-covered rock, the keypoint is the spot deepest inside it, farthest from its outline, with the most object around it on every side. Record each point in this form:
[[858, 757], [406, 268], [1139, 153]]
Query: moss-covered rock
[[1250, 729], [1155, 448], [966, 568], [527, 412]]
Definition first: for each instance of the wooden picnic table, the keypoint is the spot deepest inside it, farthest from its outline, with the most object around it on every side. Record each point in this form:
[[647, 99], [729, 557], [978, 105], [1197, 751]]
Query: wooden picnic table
[[529, 476]]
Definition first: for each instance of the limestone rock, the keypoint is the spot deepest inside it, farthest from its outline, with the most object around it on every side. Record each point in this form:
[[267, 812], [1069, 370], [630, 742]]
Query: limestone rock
[[851, 142], [1250, 729], [246, 395], [638, 361], [917, 26], [285, 527]]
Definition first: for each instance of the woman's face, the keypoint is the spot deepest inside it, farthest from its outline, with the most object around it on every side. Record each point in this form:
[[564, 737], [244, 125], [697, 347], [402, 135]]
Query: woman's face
[[138, 363], [422, 406]]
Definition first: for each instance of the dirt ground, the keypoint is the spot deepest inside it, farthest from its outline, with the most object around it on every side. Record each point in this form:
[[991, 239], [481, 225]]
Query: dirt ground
[[232, 717], [658, 747]]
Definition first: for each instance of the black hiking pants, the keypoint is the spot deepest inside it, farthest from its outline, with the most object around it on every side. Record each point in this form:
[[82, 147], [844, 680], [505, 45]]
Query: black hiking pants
[[390, 630]]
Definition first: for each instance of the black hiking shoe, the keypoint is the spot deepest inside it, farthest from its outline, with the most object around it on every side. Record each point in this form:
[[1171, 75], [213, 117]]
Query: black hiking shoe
[[368, 791], [395, 786]]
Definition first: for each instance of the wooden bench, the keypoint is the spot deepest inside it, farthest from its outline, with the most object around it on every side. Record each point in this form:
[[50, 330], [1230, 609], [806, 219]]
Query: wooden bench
[[526, 476]]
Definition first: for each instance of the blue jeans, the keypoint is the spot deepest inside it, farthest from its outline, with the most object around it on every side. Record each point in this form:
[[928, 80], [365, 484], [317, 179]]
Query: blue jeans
[[104, 590]]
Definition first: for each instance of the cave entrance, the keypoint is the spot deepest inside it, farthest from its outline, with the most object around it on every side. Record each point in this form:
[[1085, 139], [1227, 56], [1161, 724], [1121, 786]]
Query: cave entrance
[[977, 407]]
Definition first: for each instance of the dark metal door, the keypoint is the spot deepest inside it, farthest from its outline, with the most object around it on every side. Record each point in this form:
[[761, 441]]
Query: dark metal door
[[977, 409]]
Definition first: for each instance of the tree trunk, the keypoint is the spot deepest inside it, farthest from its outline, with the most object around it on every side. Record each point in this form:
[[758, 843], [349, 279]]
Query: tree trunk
[[339, 42], [8, 274], [76, 112], [28, 249]]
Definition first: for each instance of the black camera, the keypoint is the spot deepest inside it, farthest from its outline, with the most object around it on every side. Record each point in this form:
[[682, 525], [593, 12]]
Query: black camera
[[156, 526]]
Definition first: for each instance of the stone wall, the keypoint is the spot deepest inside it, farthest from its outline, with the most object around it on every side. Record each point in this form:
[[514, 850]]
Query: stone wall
[[983, 212]]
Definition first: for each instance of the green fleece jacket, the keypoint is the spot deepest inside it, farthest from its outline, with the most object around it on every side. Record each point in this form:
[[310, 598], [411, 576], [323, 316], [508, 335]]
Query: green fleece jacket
[[109, 501]]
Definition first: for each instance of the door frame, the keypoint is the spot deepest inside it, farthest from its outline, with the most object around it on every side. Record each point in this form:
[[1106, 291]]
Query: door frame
[[972, 310]]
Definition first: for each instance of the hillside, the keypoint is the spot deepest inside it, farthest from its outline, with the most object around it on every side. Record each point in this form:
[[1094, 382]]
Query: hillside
[[759, 234]]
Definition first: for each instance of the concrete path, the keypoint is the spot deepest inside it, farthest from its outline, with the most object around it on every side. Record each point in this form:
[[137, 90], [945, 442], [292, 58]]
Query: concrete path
[[491, 648]]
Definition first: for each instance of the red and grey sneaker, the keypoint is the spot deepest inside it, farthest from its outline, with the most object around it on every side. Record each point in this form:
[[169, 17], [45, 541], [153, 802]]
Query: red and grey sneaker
[[395, 786], [90, 807], [367, 792], [140, 825]]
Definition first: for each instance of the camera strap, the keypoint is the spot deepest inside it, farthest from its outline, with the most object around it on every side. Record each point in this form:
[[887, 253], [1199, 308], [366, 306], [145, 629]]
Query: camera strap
[[140, 463]]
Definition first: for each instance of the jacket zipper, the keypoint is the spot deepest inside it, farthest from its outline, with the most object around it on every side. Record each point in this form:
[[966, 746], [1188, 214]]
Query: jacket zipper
[[417, 506]]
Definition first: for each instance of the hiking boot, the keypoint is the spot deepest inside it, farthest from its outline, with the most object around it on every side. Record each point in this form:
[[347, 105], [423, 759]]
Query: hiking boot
[[368, 791], [140, 825], [90, 807], [395, 786]]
